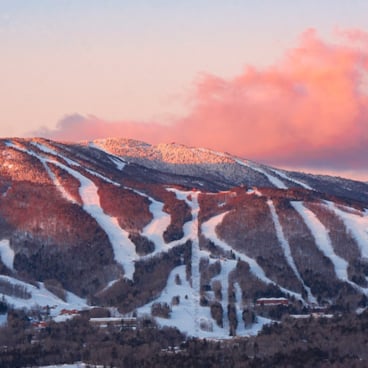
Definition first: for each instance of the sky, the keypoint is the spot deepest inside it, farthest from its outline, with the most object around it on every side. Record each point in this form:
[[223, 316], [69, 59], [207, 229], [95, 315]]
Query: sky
[[280, 82]]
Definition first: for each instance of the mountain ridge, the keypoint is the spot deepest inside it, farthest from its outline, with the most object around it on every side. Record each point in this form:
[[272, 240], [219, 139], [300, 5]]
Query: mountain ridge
[[174, 231]]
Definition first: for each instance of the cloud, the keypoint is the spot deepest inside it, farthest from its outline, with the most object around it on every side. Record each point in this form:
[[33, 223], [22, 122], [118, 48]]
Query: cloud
[[77, 127], [310, 108]]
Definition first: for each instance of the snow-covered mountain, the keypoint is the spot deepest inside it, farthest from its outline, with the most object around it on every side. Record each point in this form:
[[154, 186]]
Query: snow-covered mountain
[[191, 236]]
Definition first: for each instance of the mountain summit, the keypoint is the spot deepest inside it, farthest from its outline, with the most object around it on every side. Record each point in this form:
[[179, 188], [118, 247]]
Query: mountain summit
[[201, 240]]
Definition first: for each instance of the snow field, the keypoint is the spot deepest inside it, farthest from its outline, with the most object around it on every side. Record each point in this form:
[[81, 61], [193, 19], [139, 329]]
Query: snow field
[[286, 249], [356, 224], [45, 162], [322, 239], [123, 248], [42, 297], [191, 230], [119, 163], [3, 319], [209, 231], [272, 179], [116, 160], [227, 266], [182, 315], [188, 315], [6, 254], [283, 175], [51, 151], [154, 231]]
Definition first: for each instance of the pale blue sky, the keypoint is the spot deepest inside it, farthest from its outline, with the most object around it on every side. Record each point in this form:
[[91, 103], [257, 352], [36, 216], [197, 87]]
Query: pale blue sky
[[146, 53], [143, 54], [137, 60]]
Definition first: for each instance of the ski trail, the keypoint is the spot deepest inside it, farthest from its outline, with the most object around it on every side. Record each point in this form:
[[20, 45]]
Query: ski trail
[[154, 231], [283, 175], [7, 254], [116, 160], [182, 316], [40, 296], [357, 225], [191, 199], [119, 163], [102, 177], [287, 251], [272, 179], [239, 306], [51, 151], [65, 194], [70, 162], [209, 231], [323, 240], [123, 248], [226, 267]]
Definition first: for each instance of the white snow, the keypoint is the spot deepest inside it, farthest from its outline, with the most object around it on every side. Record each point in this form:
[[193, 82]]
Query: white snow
[[209, 231], [44, 148], [238, 296], [110, 284], [41, 297], [124, 249], [239, 307], [258, 193], [283, 175], [51, 151], [119, 163], [183, 315], [191, 227], [75, 365], [286, 249], [65, 194], [6, 254], [3, 319], [356, 224], [104, 178], [6, 192], [74, 300], [226, 268], [272, 179], [45, 162], [154, 231], [322, 239], [249, 330], [106, 319], [188, 315]]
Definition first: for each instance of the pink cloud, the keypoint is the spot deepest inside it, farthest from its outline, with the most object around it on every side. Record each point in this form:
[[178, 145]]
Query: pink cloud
[[309, 108], [78, 127]]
